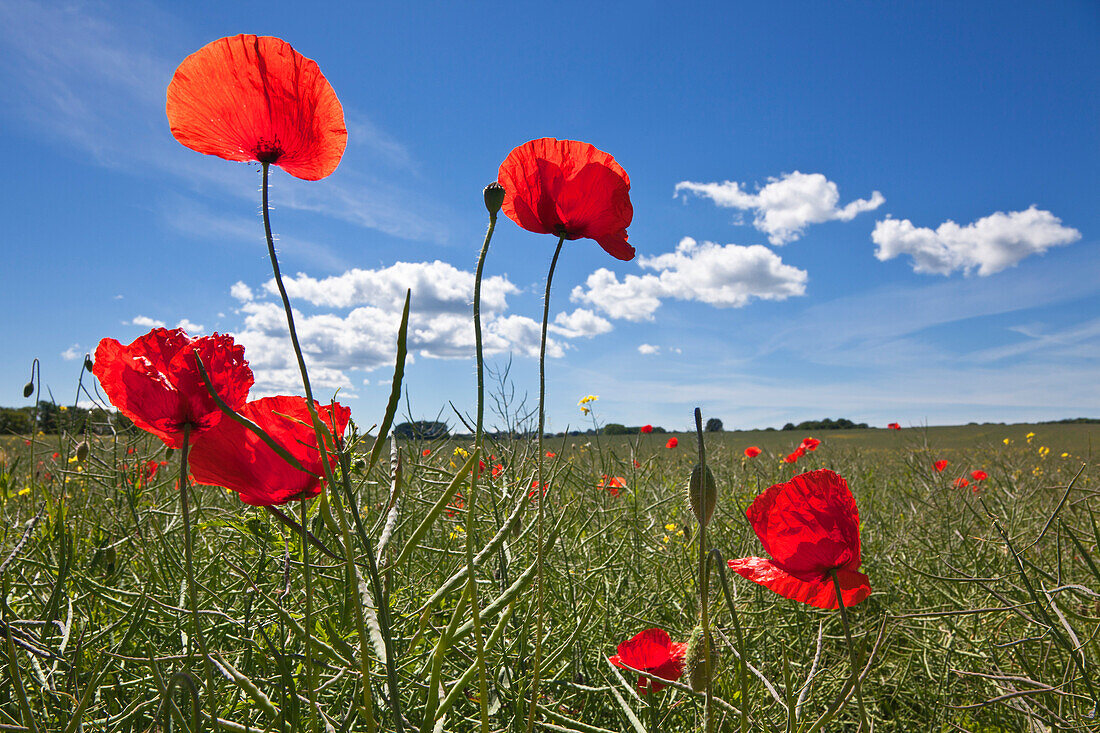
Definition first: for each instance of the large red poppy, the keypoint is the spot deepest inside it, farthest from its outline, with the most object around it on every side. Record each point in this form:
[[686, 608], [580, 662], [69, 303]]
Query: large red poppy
[[647, 429], [571, 189], [256, 98], [810, 444], [979, 475], [232, 456], [810, 527], [940, 465], [652, 651], [672, 443], [752, 451], [155, 380]]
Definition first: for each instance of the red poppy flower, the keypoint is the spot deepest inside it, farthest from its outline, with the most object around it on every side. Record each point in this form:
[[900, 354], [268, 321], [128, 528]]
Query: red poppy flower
[[810, 443], [534, 494], [960, 483], [457, 503], [155, 380], [940, 465], [612, 484], [55, 456], [551, 454], [637, 463], [793, 457], [26, 442], [647, 429], [570, 189], [426, 452], [752, 451], [131, 451], [652, 651], [893, 426], [256, 98], [497, 469], [232, 456], [979, 475], [672, 443], [810, 527]]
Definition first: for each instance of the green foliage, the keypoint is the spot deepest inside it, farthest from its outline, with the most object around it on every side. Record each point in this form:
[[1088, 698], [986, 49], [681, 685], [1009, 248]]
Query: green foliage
[[826, 424], [714, 425], [421, 430], [958, 617]]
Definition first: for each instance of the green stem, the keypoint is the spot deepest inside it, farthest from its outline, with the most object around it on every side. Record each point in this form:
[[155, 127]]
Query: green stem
[[471, 583], [308, 623], [189, 567], [704, 584], [863, 726], [541, 493]]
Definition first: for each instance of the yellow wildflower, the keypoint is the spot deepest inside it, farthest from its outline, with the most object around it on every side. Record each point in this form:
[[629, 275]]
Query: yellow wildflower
[[1065, 455], [1007, 441], [1029, 436], [460, 451], [589, 398], [63, 408], [25, 491], [670, 527], [1044, 451]]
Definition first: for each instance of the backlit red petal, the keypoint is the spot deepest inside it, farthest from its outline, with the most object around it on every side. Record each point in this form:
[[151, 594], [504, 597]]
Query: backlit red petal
[[809, 524], [255, 98], [232, 456], [816, 591]]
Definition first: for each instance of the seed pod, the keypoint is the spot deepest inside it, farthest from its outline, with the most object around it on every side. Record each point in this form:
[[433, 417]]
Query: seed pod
[[702, 494], [82, 449], [28, 389], [494, 197], [694, 661]]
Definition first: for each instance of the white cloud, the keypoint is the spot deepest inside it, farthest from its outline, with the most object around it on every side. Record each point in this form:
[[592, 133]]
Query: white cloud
[[145, 322], [648, 349], [192, 329], [581, 322], [241, 291], [71, 353], [990, 244], [725, 276], [437, 287], [365, 337], [786, 205]]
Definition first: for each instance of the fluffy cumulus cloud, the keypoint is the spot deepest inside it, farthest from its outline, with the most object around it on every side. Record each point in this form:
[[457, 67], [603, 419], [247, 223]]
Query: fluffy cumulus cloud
[[724, 276], [145, 322], [989, 244], [648, 349], [786, 205], [358, 314]]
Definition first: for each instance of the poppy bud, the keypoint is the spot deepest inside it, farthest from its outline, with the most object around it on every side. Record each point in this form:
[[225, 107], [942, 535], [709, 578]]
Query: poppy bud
[[494, 197], [695, 662], [168, 453], [88, 363], [702, 494], [82, 449], [28, 389]]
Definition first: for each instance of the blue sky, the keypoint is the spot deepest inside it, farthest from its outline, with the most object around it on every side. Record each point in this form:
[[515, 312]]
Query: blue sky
[[885, 212]]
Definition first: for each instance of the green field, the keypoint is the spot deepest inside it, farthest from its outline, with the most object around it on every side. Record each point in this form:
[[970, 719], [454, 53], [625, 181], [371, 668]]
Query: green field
[[967, 628]]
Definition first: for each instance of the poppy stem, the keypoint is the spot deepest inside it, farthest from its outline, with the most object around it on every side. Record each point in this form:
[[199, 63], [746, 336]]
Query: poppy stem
[[704, 576], [541, 493], [308, 622], [851, 651], [189, 567], [471, 584]]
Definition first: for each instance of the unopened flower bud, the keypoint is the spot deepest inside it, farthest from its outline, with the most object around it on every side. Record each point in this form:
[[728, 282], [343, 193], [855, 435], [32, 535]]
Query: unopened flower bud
[[168, 453], [695, 663], [88, 363], [702, 494], [494, 197], [82, 449], [28, 389]]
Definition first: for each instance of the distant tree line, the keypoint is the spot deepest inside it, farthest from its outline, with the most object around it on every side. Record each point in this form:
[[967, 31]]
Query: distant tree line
[[53, 418], [826, 424]]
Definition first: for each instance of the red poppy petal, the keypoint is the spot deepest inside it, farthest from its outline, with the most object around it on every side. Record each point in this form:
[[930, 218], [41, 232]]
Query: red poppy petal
[[647, 650], [615, 244], [232, 456], [810, 523], [854, 586], [256, 98]]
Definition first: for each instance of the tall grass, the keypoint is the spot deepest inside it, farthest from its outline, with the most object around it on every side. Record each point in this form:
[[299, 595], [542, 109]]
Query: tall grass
[[985, 612]]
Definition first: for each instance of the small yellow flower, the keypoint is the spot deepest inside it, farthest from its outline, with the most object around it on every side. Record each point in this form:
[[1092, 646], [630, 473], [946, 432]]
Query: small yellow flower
[[670, 527], [1065, 455], [665, 539], [1044, 451], [585, 410], [63, 408], [460, 451], [1029, 436], [589, 398], [25, 491], [1007, 441], [72, 460]]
